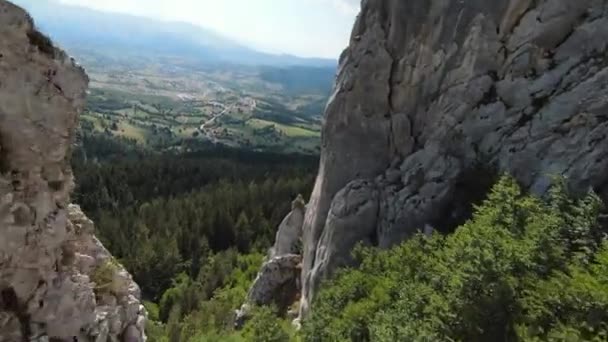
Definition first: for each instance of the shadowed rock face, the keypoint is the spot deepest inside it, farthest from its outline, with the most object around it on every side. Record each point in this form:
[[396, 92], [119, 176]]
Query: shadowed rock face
[[434, 98], [50, 286]]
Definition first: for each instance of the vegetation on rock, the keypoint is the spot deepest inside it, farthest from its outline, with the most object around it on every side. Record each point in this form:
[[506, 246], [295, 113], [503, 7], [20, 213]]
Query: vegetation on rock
[[104, 276]]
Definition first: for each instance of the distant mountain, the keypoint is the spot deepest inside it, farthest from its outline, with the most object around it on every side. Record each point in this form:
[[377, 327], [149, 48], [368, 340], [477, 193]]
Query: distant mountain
[[83, 30]]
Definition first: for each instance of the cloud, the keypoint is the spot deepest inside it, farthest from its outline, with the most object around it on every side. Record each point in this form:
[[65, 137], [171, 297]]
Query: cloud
[[348, 7]]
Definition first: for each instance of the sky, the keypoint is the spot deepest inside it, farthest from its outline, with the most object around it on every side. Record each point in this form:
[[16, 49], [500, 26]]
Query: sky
[[306, 28]]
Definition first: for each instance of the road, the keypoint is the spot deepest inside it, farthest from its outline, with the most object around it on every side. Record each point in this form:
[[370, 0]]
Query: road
[[209, 132]]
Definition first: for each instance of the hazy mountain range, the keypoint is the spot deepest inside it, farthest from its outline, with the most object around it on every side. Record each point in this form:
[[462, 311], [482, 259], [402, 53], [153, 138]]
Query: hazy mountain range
[[80, 29]]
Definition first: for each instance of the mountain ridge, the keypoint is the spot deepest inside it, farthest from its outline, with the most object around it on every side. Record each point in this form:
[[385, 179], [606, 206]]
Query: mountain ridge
[[79, 28]]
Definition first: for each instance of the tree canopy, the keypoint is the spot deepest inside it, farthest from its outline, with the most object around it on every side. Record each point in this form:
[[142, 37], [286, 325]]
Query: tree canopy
[[522, 269]]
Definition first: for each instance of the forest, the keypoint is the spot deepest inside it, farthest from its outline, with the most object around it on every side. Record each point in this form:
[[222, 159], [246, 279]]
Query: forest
[[193, 229], [522, 269], [187, 225]]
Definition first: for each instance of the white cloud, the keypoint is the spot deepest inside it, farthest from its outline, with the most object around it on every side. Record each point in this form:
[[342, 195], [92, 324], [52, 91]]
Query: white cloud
[[348, 7]]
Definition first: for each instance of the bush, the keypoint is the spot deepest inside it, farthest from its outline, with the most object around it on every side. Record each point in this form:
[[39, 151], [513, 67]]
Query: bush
[[520, 269], [104, 277], [265, 326], [204, 310], [152, 309]]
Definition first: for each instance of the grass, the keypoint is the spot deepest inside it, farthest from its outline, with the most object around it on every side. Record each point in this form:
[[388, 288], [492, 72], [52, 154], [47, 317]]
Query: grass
[[189, 120], [290, 131], [187, 132], [128, 130], [103, 276], [93, 120]]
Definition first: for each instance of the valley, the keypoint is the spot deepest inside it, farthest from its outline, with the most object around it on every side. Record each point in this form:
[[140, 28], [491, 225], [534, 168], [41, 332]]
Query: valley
[[239, 108], [165, 85], [460, 194]]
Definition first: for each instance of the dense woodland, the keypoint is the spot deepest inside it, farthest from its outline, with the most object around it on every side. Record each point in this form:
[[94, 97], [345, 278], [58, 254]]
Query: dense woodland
[[522, 269], [193, 229], [184, 223]]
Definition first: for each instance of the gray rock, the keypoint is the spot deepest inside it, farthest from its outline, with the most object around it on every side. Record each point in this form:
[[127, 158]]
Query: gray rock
[[351, 219], [289, 233], [48, 253], [460, 91], [278, 281], [277, 284]]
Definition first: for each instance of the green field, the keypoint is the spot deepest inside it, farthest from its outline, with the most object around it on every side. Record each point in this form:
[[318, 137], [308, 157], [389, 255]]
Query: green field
[[236, 108]]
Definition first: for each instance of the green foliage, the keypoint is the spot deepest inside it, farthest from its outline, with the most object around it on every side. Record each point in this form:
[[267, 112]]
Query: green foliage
[[184, 294], [570, 305], [190, 317], [152, 309], [221, 286], [264, 326], [184, 209], [522, 269], [156, 331], [104, 276], [191, 228], [203, 309]]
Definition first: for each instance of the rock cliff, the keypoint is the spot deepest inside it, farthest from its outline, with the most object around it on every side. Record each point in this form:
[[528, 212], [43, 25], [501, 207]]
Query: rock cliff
[[57, 282], [434, 98]]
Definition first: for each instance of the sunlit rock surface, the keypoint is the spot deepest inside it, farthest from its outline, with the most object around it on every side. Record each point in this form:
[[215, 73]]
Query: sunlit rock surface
[[57, 282]]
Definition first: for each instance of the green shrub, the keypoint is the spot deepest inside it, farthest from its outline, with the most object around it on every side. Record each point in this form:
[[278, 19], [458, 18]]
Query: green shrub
[[520, 269], [265, 326], [152, 309], [104, 276]]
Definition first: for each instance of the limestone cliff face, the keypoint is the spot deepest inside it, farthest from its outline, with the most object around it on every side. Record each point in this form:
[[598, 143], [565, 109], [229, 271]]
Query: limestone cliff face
[[435, 97], [57, 282]]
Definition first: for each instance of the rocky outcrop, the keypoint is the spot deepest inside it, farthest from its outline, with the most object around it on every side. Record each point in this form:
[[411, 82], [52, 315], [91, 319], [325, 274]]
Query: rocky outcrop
[[289, 234], [355, 206], [276, 284], [434, 98], [57, 282], [278, 281], [118, 310]]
